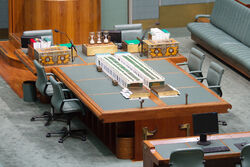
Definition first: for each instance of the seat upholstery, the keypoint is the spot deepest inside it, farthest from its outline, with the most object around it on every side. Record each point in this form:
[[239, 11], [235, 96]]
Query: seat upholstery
[[195, 62], [245, 156], [60, 103], [68, 107], [42, 83], [192, 157], [233, 18], [211, 34], [214, 75], [129, 31], [228, 34], [45, 88]]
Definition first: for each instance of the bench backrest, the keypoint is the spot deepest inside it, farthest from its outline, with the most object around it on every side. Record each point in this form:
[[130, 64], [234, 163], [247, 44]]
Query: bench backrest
[[233, 18]]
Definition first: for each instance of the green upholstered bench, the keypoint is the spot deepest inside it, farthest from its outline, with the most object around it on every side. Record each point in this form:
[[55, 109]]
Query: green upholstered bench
[[227, 35]]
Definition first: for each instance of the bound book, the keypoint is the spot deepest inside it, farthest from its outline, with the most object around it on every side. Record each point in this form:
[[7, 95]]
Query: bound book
[[164, 90]]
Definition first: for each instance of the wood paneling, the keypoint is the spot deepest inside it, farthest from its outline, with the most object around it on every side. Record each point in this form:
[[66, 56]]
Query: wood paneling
[[181, 15], [12, 69], [75, 17]]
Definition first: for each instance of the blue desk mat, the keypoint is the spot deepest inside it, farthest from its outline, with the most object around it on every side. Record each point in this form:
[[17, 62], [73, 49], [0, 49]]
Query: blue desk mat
[[99, 86], [77, 73], [230, 143], [118, 102], [165, 149], [195, 95], [162, 66], [179, 80]]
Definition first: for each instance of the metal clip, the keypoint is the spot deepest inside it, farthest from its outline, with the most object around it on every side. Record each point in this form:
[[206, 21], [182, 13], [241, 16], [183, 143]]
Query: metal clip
[[187, 127], [147, 133]]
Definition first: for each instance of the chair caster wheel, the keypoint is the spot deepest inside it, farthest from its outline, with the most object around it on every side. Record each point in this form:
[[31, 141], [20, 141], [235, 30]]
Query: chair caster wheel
[[47, 123], [84, 138], [32, 119], [60, 141], [48, 135]]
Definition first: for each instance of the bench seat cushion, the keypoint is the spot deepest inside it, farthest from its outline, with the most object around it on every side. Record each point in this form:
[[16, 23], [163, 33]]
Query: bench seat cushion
[[233, 18], [239, 53], [210, 34]]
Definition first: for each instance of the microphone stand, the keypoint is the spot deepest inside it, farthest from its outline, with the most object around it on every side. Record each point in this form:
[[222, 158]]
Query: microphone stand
[[72, 47]]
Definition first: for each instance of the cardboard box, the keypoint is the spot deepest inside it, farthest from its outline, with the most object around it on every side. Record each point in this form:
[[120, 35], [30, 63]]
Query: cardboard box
[[92, 50]]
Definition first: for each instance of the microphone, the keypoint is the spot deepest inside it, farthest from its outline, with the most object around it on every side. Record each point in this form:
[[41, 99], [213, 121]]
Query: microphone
[[71, 42]]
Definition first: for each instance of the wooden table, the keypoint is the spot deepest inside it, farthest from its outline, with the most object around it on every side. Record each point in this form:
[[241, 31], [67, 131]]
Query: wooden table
[[156, 153], [244, 2], [111, 116]]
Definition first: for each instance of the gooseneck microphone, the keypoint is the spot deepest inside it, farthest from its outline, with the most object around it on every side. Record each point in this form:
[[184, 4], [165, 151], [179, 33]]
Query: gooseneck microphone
[[71, 42], [143, 36]]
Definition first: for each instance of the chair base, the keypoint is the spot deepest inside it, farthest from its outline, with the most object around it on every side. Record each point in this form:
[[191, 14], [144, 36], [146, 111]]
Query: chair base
[[67, 132], [48, 117]]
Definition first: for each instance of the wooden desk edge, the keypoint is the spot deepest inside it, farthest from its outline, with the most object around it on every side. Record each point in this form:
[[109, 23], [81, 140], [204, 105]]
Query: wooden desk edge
[[78, 92], [149, 146]]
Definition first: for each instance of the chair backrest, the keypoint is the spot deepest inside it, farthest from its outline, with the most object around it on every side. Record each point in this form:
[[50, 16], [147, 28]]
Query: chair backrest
[[129, 31], [58, 95], [195, 61], [245, 156], [41, 33], [192, 157], [42, 80], [214, 75]]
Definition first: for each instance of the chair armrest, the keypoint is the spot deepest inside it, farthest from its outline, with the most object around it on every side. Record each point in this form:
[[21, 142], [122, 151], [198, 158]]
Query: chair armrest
[[193, 72], [69, 100], [60, 82], [50, 74], [66, 90], [181, 64], [202, 16], [201, 78], [216, 86]]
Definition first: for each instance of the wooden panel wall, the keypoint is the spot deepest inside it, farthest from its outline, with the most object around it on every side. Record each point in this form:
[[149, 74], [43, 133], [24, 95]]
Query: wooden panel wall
[[75, 17]]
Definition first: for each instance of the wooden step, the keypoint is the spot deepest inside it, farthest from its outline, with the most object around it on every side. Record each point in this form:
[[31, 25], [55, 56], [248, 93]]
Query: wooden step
[[12, 69], [7, 51]]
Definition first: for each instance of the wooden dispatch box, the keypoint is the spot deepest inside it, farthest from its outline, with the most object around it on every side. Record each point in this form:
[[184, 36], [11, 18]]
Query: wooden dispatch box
[[131, 46], [157, 49], [92, 50], [54, 55]]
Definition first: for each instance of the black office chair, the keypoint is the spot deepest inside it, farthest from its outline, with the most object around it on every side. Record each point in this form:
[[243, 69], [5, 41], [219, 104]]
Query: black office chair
[[45, 88], [245, 156], [68, 107], [194, 63], [191, 157], [214, 75]]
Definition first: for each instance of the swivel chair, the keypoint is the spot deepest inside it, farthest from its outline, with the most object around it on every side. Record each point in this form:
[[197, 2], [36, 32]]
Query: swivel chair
[[192, 157], [245, 156], [129, 31], [45, 88], [194, 63], [69, 108], [214, 75]]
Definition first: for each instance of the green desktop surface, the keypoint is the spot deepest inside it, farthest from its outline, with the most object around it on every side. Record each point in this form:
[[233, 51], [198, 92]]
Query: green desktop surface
[[165, 149], [98, 86]]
